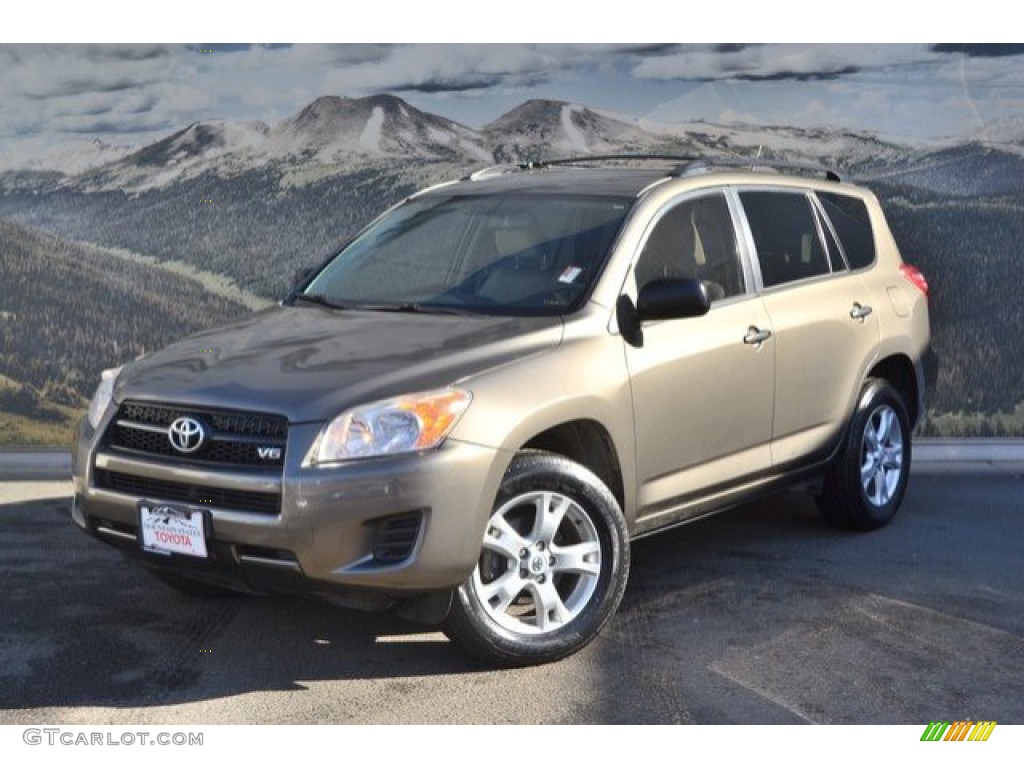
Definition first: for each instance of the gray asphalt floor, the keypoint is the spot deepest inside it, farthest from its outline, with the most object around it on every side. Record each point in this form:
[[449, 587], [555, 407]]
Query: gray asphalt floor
[[759, 615]]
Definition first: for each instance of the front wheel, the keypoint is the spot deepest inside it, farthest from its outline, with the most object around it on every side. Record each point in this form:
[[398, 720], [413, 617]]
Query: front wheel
[[552, 569], [865, 486]]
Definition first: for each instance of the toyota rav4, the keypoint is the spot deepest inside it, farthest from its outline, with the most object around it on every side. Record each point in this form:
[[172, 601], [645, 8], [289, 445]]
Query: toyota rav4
[[469, 412]]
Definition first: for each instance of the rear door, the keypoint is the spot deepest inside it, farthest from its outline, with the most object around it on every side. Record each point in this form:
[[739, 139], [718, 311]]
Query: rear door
[[702, 387], [824, 326]]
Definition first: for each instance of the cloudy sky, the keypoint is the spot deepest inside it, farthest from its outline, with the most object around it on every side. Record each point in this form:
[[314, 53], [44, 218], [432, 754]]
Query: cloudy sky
[[130, 94]]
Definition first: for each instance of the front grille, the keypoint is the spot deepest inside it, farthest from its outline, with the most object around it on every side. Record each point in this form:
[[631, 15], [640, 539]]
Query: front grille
[[396, 537], [233, 438], [234, 422], [166, 490]]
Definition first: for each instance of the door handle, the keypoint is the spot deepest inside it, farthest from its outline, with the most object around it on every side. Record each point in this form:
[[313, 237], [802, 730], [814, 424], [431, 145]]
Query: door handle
[[756, 336], [859, 312]]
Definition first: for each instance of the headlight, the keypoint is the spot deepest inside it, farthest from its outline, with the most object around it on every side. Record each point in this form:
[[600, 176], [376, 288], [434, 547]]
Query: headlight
[[405, 424], [104, 393]]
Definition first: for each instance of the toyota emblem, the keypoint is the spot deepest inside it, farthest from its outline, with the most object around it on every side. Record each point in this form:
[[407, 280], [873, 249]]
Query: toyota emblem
[[186, 435]]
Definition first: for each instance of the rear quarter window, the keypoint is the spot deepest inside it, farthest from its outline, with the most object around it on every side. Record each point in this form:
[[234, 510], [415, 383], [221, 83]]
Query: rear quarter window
[[852, 224]]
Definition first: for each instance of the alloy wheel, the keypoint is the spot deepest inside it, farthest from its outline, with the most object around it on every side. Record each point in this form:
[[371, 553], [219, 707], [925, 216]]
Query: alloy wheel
[[540, 564], [881, 465]]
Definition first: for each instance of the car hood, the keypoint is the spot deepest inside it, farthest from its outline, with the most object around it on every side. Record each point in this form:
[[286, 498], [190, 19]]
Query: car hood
[[311, 363]]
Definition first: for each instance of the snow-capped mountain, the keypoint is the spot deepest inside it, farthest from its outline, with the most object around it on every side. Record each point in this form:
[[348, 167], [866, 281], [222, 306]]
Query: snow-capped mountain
[[542, 127], [327, 137], [182, 155], [833, 148], [332, 127], [334, 137], [201, 141]]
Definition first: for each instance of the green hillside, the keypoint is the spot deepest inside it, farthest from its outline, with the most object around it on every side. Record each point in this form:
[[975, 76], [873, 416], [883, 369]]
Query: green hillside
[[68, 311]]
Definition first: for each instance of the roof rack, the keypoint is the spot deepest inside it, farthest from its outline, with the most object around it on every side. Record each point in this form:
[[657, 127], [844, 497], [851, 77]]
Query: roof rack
[[685, 165], [706, 164], [580, 159]]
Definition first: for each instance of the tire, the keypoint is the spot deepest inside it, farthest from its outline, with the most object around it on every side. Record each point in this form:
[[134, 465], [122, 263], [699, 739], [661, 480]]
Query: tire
[[543, 588], [865, 485], [193, 587]]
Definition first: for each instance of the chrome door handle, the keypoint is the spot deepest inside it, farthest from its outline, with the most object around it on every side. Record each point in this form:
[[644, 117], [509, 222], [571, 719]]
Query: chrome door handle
[[859, 312], [756, 336]]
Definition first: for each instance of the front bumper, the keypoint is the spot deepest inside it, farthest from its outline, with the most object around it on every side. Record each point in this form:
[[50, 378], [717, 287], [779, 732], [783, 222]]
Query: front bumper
[[390, 526]]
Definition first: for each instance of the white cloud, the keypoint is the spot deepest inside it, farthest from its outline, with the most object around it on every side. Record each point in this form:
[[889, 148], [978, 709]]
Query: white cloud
[[50, 92], [446, 68], [771, 61]]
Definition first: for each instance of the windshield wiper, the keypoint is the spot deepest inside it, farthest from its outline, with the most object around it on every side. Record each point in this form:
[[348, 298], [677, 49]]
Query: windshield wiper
[[317, 298], [415, 308]]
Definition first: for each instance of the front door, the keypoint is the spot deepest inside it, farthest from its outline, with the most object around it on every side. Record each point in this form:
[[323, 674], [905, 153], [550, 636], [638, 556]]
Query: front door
[[703, 387]]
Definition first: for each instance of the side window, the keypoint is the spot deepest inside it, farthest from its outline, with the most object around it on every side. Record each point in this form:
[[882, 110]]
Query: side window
[[695, 239], [849, 216], [785, 235]]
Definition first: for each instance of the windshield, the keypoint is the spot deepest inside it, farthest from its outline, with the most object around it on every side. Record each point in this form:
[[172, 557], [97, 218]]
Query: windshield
[[496, 255]]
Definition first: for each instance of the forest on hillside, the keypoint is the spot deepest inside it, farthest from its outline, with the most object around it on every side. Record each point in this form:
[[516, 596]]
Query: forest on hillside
[[68, 311], [968, 249], [252, 227], [261, 226]]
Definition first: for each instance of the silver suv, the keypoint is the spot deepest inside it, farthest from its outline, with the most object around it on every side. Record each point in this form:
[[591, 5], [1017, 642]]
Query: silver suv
[[468, 413]]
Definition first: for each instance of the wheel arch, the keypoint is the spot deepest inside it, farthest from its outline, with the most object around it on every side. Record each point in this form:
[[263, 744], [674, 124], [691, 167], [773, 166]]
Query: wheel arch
[[899, 371], [588, 443]]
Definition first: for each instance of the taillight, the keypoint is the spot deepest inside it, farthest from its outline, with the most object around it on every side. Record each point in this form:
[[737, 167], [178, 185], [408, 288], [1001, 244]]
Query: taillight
[[914, 275]]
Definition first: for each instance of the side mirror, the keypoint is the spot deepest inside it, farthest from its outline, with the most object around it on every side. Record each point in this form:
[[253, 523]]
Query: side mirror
[[670, 298]]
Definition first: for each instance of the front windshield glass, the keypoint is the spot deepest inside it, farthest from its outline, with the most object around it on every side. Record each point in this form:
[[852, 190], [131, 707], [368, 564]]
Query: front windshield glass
[[503, 254]]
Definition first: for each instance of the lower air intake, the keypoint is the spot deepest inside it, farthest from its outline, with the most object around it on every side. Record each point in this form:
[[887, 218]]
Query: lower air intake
[[396, 538]]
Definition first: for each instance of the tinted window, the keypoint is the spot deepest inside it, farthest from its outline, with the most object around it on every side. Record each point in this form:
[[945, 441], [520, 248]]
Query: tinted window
[[850, 218], [504, 254], [785, 235], [694, 239]]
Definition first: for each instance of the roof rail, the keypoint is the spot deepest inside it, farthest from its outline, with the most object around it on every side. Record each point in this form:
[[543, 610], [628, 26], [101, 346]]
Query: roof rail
[[685, 165], [581, 159], [706, 164]]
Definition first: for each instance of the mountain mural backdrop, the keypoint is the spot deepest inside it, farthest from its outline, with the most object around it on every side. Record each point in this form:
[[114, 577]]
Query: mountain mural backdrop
[[106, 251]]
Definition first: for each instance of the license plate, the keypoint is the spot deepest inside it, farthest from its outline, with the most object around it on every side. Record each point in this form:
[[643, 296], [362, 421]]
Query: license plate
[[168, 529]]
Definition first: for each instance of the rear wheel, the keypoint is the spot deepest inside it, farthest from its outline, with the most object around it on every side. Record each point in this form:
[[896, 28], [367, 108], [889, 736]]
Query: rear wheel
[[865, 486], [552, 569]]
